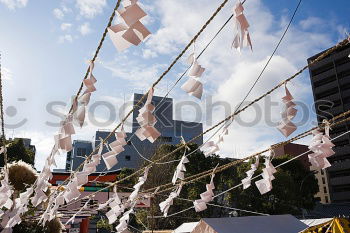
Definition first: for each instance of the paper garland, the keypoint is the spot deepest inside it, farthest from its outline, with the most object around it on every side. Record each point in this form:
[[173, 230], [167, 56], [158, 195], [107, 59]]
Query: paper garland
[[180, 169], [253, 167], [207, 196], [241, 25], [265, 184], [116, 146], [131, 31], [165, 205], [147, 121], [84, 99], [142, 179], [193, 86], [321, 146], [211, 147], [286, 126]]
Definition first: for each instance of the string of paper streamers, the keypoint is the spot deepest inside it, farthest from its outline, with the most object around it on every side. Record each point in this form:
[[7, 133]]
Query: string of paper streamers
[[286, 126], [201, 175], [319, 58], [262, 174], [243, 109], [158, 80]]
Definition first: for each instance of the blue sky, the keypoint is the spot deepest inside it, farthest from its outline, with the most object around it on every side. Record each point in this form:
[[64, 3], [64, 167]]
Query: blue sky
[[45, 46]]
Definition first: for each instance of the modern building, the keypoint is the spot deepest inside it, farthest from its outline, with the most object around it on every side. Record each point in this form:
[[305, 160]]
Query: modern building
[[171, 132], [330, 80]]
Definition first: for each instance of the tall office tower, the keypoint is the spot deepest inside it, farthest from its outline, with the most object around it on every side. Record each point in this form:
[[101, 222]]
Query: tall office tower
[[171, 132], [330, 79]]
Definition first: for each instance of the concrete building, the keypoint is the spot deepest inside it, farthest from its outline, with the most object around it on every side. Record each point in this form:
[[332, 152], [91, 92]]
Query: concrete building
[[171, 131], [330, 80]]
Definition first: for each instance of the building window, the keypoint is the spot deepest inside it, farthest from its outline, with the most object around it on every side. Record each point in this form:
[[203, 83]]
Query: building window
[[81, 151], [322, 172], [326, 198], [127, 157], [129, 143], [325, 189], [323, 180]]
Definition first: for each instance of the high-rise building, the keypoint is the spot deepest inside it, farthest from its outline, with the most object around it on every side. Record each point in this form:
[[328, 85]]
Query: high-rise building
[[330, 79], [171, 132]]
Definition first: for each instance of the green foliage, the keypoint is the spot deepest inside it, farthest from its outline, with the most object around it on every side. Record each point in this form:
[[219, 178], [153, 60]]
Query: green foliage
[[17, 151], [288, 196], [54, 226], [103, 224]]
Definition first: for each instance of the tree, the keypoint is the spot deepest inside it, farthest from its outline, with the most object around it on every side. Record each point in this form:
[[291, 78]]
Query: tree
[[286, 196], [16, 151]]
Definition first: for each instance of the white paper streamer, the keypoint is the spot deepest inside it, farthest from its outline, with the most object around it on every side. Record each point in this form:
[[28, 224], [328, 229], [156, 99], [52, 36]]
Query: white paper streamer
[[321, 146], [212, 147], [147, 121], [180, 169], [286, 126], [193, 86], [265, 184], [242, 37], [207, 196], [165, 205], [131, 31], [247, 181]]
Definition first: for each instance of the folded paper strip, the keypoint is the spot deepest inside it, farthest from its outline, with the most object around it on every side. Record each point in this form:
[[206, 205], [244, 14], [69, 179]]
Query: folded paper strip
[[147, 121], [286, 126], [131, 31], [165, 205], [206, 197], [247, 181], [321, 146], [193, 86], [211, 147], [241, 25], [265, 184], [180, 169]]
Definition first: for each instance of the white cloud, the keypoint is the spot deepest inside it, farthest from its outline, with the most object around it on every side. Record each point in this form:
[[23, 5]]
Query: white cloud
[[147, 53], [85, 29], [13, 4], [66, 26], [311, 22], [90, 8], [58, 13], [65, 38]]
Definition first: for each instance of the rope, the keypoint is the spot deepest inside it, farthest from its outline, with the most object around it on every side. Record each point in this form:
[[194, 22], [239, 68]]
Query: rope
[[3, 138], [240, 184], [97, 50], [320, 57], [207, 173], [154, 84]]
